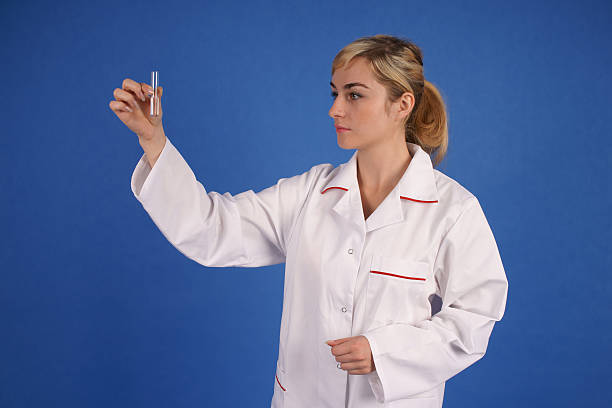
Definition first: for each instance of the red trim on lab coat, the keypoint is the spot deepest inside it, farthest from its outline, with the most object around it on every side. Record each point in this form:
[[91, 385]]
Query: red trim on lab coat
[[341, 188], [418, 201], [279, 383], [399, 276], [405, 198]]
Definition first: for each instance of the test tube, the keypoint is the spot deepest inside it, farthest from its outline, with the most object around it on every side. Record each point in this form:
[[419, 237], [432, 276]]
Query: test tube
[[155, 97]]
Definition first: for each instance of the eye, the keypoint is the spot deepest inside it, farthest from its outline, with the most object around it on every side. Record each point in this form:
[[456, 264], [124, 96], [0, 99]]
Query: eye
[[334, 94]]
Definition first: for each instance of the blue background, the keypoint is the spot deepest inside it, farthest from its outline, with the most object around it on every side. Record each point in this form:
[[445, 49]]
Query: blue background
[[98, 309]]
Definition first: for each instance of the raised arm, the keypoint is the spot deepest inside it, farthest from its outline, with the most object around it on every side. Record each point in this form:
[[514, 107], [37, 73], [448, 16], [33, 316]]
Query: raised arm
[[247, 230]]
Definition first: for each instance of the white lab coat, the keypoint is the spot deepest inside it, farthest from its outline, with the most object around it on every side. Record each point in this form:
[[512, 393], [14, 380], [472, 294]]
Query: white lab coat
[[421, 278]]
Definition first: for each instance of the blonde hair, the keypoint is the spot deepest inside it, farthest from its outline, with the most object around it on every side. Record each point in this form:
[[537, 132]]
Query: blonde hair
[[397, 64]]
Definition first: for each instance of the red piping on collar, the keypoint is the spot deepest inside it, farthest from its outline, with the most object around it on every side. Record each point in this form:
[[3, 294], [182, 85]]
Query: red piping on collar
[[418, 201], [279, 383], [341, 188], [405, 198]]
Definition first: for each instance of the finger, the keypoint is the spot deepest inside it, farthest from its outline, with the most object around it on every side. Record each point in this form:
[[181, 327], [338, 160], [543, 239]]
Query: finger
[[127, 97], [341, 350], [133, 86], [347, 358], [338, 341], [118, 106], [148, 90]]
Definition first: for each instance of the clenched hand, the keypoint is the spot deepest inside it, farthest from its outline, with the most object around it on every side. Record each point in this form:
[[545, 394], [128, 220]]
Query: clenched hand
[[354, 354]]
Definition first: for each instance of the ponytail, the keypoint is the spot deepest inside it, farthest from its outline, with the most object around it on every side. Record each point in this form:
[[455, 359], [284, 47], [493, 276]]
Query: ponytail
[[427, 125]]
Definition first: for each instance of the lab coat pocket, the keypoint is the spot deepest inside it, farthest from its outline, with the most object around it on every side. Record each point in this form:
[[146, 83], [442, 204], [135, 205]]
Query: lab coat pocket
[[280, 388], [396, 290]]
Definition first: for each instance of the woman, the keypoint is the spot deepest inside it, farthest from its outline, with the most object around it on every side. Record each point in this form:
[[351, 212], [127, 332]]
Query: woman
[[393, 279]]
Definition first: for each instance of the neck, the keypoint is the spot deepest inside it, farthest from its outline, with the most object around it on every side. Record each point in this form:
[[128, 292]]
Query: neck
[[381, 166]]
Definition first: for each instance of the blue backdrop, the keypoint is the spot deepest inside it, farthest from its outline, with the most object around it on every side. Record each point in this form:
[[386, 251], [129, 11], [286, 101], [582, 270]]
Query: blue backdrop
[[99, 310]]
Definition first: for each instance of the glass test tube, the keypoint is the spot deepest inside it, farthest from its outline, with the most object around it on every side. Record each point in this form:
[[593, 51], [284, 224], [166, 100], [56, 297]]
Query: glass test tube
[[155, 97]]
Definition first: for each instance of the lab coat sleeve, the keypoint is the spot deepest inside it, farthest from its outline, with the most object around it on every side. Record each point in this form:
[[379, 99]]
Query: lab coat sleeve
[[470, 278], [218, 230]]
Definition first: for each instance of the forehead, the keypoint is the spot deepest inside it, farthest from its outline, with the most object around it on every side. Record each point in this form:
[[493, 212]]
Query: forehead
[[358, 70]]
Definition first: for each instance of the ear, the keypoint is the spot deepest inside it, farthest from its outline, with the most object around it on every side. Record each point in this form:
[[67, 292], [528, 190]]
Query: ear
[[406, 103]]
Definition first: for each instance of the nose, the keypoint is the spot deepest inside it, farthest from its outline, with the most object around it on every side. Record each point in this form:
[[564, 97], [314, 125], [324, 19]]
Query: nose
[[336, 109]]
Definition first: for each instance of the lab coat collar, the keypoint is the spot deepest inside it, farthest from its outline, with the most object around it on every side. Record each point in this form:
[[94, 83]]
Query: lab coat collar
[[416, 187]]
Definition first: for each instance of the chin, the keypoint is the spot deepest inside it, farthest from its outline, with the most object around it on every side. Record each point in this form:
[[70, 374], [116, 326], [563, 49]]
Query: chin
[[346, 143]]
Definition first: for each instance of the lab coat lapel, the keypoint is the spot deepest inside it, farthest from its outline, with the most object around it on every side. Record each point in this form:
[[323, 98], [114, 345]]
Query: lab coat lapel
[[418, 184], [344, 182], [416, 187]]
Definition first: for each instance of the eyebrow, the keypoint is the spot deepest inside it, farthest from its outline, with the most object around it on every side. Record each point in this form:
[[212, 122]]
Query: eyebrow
[[352, 84]]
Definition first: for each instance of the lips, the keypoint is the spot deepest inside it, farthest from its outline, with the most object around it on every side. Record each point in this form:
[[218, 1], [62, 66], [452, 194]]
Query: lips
[[340, 128]]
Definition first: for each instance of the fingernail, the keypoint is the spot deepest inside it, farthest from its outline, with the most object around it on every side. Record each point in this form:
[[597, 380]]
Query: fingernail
[[128, 109]]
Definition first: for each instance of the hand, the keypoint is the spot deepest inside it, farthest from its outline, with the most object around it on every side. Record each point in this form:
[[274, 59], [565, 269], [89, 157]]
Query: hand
[[354, 353], [132, 106]]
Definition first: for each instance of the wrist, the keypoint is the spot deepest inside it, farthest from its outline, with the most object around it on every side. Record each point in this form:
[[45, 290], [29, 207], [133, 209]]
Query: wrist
[[151, 138], [153, 148]]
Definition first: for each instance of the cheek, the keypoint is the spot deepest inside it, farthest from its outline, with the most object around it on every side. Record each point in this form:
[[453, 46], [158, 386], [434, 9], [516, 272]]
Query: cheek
[[371, 118], [365, 115]]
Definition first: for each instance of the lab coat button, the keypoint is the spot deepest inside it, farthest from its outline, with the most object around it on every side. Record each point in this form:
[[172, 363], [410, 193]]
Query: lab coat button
[[344, 309], [350, 251]]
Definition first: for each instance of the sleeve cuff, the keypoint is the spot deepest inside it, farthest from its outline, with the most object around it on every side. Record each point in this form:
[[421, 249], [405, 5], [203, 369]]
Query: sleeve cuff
[[140, 176], [374, 378], [385, 343]]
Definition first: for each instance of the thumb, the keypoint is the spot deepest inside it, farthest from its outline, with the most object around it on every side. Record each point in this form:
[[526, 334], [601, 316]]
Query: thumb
[[337, 341], [161, 90]]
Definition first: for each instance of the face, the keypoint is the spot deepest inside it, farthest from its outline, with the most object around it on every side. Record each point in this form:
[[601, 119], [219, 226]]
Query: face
[[359, 106]]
